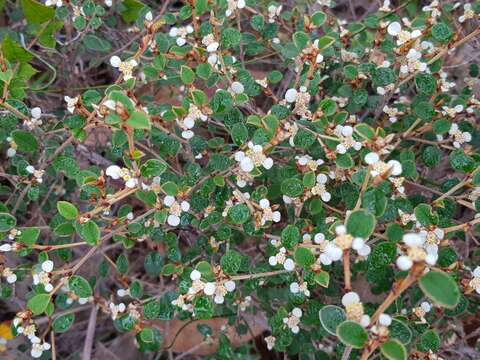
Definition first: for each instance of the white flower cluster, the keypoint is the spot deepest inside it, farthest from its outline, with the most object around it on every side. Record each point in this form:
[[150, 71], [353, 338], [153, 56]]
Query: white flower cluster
[[175, 209], [418, 250], [253, 157], [273, 12], [354, 309], [43, 276], [346, 241], [306, 160], [392, 113], [233, 5], [345, 135], [71, 103], [9, 275], [38, 174], [296, 288], [329, 250], [320, 188], [281, 258], [125, 67], [180, 34], [267, 213], [475, 282], [270, 340], [23, 325], [422, 310], [468, 13], [293, 320], [116, 309], [116, 172], [379, 167], [34, 121], [403, 36], [301, 100], [434, 9], [188, 122], [413, 63]]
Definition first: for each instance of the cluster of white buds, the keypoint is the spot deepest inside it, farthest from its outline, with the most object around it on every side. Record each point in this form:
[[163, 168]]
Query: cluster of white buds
[[320, 188], [270, 340], [345, 135], [125, 67], [379, 167], [188, 122], [329, 250], [175, 209], [281, 258], [452, 111], [34, 121], [418, 250], [422, 310], [9, 275], [392, 113], [346, 241], [445, 85], [433, 235], [233, 5], [116, 172], [413, 63], [434, 9], [57, 3], [253, 157], [29, 329], [12, 150], [354, 309], [459, 137], [210, 43], [403, 36], [306, 160], [267, 213], [302, 288], [180, 34], [43, 276], [216, 289], [116, 310], [293, 320], [71, 103], [38, 174], [475, 282], [273, 12], [301, 100], [468, 13]]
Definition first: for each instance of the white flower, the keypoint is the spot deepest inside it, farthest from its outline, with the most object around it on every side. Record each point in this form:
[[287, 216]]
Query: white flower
[[291, 95], [426, 306], [294, 288], [195, 275], [209, 289], [404, 263], [350, 298], [289, 265], [237, 87], [385, 320], [149, 16], [71, 103], [394, 28], [181, 34], [125, 67], [6, 248], [36, 112], [47, 266], [372, 158]]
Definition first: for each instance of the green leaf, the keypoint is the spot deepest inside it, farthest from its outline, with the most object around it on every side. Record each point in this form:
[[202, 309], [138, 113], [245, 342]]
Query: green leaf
[[425, 215], [318, 18], [304, 257], [25, 141], [239, 134], [400, 331], [94, 43], [231, 262], [230, 37], [322, 278], [393, 350], [431, 156], [330, 317], [37, 13], [62, 323], [131, 10], [292, 187], [139, 120], [441, 288], [352, 334], [301, 40], [28, 236], [38, 303], [89, 232], [344, 161], [67, 210], [325, 42], [461, 162], [80, 286], [14, 52], [239, 214], [429, 341], [152, 168], [442, 32], [426, 84], [361, 223], [187, 75], [7, 222], [202, 308], [122, 264], [290, 237]]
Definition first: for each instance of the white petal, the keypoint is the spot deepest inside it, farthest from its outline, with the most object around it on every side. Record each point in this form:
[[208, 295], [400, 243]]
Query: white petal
[[36, 112], [195, 275], [173, 220], [394, 28], [372, 158], [350, 298], [47, 266], [291, 95], [115, 61], [404, 263], [209, 288]]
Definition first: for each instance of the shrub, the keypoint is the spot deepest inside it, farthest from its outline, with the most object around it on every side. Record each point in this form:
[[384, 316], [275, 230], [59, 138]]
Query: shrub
[[213, 159]]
